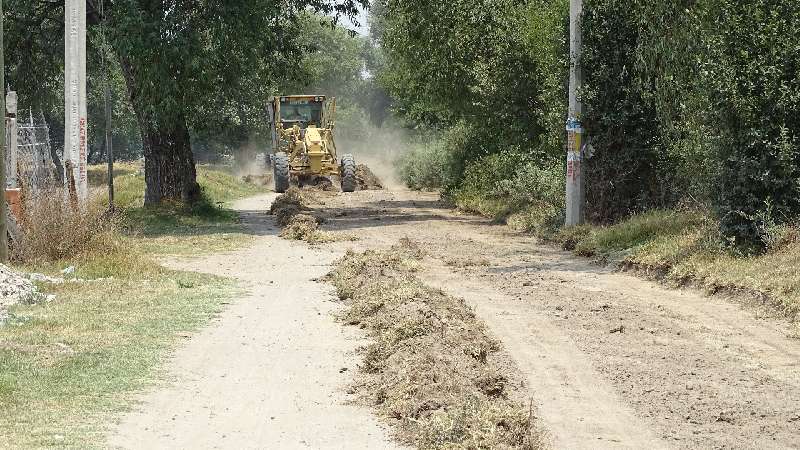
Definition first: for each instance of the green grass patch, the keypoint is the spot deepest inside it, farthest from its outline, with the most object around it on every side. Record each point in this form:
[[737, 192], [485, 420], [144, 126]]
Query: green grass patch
[[208, 226], [66, 365], [685, 247]]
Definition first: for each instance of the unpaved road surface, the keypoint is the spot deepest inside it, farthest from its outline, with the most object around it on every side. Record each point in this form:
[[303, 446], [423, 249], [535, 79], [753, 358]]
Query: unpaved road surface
[[271, 372], [611, 361]]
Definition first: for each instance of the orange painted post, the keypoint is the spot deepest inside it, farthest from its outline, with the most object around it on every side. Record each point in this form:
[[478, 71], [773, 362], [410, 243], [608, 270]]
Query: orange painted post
[[14, 202]]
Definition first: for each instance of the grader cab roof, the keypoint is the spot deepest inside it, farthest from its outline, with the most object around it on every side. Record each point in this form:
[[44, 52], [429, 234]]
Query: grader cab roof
[[314, 98]]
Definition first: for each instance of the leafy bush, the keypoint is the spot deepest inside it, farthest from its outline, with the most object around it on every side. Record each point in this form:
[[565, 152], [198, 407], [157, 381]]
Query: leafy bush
[[426, 166], [533, 184], [480, 191], [510, 186], [437, 161]]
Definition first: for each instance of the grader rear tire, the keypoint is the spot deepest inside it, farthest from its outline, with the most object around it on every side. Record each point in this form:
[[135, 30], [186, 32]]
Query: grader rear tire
[[281, 169], [348, 175]]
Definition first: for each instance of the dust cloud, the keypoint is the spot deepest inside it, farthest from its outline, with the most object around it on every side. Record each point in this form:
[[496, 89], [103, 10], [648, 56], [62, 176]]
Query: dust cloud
[[378, 148], [249, 158]]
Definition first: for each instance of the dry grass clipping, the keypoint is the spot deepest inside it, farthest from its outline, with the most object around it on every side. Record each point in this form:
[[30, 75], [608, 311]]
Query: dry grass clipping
[[431, 367], [291, 212], [287, 206], [303, 227]]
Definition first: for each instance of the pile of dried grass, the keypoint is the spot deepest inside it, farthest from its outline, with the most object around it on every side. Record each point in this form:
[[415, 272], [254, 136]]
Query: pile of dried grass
[[366, 179], [431, 366], [303, 227], [288, 205], [291, 212]]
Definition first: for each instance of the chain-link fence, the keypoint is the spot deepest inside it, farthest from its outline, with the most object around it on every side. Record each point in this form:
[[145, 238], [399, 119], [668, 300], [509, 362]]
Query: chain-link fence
[[29, 156]]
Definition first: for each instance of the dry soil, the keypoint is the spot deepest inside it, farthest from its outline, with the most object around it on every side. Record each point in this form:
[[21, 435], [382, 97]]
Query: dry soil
[[271, 372], [610, 360]]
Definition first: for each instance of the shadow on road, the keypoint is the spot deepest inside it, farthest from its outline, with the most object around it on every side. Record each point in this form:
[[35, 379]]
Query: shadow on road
[[394, 212]]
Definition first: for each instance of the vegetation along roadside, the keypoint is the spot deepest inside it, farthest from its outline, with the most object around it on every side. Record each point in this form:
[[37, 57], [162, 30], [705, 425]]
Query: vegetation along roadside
[[67, 365], [692, 121]]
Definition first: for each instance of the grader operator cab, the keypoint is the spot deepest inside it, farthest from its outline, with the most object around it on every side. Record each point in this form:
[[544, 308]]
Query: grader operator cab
[[302, 141]]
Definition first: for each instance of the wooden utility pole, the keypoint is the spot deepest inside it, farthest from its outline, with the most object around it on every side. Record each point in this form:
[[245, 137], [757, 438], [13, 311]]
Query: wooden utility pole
[[109, 141], [575, 141], [75, 123], [3, 186], [109, 148]]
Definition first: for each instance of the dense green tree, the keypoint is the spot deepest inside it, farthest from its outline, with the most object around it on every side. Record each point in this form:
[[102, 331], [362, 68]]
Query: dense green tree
[[701, 99], [477, 63], [187, 66]]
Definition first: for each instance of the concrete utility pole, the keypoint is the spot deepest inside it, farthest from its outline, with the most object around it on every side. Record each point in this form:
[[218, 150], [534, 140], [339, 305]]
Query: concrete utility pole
[[3, 205], [575, 185], [75, 97]]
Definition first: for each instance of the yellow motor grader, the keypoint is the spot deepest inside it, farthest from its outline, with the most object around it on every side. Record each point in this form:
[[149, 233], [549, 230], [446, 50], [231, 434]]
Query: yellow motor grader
[[303, 144]]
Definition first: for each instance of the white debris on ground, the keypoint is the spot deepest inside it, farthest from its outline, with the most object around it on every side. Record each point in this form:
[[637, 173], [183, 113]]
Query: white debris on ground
[[40, 278], [16, 288]]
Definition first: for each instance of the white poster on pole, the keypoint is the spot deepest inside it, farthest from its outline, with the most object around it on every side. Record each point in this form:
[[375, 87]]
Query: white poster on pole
[[75, 151]]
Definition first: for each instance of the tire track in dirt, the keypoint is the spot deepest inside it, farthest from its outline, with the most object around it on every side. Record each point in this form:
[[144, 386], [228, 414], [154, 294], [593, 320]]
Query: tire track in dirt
[[694, 372], [578, 407]]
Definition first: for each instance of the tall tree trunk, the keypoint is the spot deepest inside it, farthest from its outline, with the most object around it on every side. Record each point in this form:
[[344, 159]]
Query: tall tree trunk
[[169, 168]]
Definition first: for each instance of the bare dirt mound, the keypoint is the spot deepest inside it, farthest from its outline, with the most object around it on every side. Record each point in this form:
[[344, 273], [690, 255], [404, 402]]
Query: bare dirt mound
[[367, 180]]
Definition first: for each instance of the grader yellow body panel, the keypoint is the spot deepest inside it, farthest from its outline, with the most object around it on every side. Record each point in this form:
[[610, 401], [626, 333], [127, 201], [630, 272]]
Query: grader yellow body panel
[[303, 142]]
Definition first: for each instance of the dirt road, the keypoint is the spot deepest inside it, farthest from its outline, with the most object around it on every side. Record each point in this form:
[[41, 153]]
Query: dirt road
[[611, 361], [271, 372]]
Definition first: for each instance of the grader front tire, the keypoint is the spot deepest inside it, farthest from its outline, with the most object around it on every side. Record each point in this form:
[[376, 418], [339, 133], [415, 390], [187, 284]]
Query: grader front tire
[[348, 175], [281, 169]]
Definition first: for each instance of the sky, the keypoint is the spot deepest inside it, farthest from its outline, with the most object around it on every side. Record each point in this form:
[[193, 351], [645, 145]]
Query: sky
[[363, 28]]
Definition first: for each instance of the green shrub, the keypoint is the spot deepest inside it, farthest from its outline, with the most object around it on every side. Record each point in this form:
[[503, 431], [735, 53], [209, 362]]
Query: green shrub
[[480, 191], [695, 99], [535, 184], [510, 186], [426, 166]]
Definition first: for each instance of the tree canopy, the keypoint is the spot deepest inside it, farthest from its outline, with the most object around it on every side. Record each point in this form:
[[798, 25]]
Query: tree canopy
[[188, 67]]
